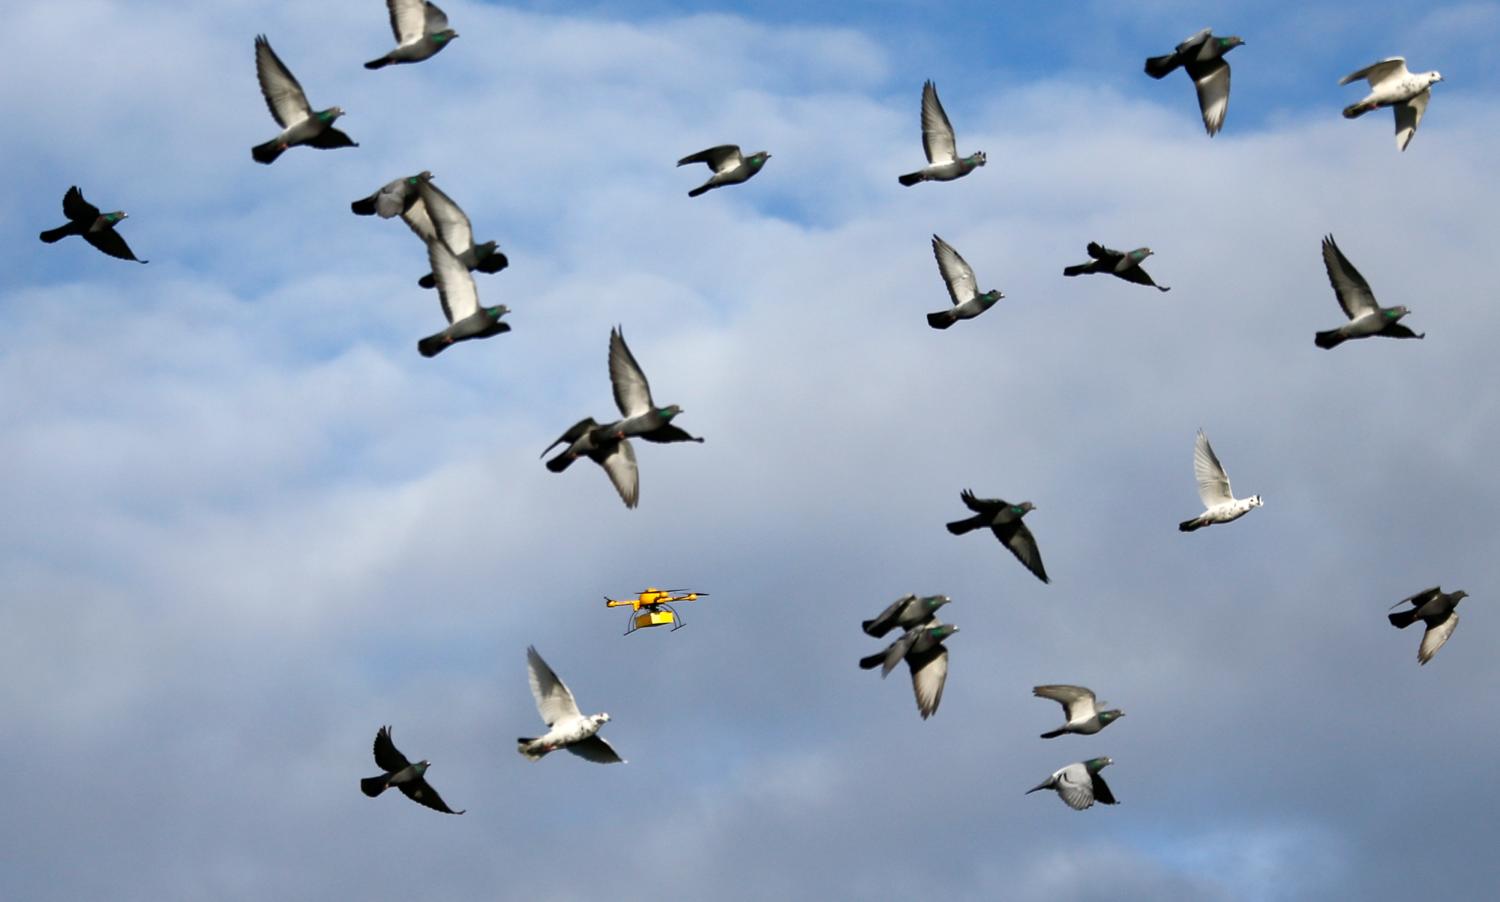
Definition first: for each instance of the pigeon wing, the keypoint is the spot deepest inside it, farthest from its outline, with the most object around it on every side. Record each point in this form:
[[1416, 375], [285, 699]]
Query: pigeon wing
[[980, 505], [553, 700], [1212, 81], [898, 650], [284, 97], [1193, 41], [1409, 116], [632, 391], [387, 757], [330, 138], [1436, 635], [110, 242], [667, 434], [1375, 73], [1103, 254], [408, 20], [1213, 482], [420, 792], [720, 159], [77, 209], [1077, 702], [882, 622], [1418, 599], [1353, 291], [937, 132], [596, 749], [416, 219], [455, 285], [1075, 786], [618, 462], [957, 274], [1101, 791], [437, 20], [929, 673], [447, 218], [1015, 536], [1139, 276]]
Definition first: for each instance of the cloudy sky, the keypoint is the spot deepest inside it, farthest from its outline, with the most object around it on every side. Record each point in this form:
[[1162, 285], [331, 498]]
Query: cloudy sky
[[246, 524]]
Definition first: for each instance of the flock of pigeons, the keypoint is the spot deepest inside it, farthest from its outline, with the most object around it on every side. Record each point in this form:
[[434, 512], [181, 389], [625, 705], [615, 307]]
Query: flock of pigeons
[[421, 30]]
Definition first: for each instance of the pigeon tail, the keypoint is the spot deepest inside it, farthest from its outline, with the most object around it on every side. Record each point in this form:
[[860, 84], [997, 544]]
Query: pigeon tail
[[959, 527], [57, 234], [432, 345], [492, 264], [1079, 270], [365, 206], [561, 462], [526, 746], [1403, 619], [1190, 525], [911, 178], [699, 190], [1356, 110], [373, 786], [427, 281], [1053, 735], [267, 152], [1160, 66], [941, 320], [378, 64], [1045, 784], [868, 627], [1329, 339], [870, 662]]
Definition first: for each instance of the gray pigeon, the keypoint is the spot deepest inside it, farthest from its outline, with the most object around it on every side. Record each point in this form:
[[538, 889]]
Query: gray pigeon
[[394, 199], [906, 612], [608, 445], [962, 288], [1081, 709], [289, 106], [421, 31], [1437, 611], [1366, 316], [940, 145], [1080, 784], [402, 774], [925, 655], [449, 223], [1203, 57], [1004, 519], [729, 165], [1391, 85], [96, 228], [1119, 264], [460, 300], [567, 727]]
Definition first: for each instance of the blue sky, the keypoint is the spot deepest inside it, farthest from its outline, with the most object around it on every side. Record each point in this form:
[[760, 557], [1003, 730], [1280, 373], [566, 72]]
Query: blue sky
[[248, 524]]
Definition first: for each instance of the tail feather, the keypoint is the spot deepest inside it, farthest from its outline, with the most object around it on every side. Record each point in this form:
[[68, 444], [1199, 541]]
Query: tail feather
[[1329, 339], [267, 152], [378, 64], [959, 527], [493, 263], [57, 234], [870, 662], [561, 462], [432, 345], [523, 745], [373, 786], [868, 627], [1356, 110], [941, 320], [699, 190], [1190, 525], [1045, 784], [1053, 735], [427, 281], [911, 178], [1080, 269], [1403, 619], [365, 206], [1160, 66]]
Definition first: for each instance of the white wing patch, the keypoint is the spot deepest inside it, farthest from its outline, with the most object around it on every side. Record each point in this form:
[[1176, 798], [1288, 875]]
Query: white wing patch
[[553, 700], [1433, 639], [448, 219], [456, 289]]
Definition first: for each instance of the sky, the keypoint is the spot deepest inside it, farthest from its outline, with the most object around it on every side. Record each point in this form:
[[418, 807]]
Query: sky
[[247, 524]]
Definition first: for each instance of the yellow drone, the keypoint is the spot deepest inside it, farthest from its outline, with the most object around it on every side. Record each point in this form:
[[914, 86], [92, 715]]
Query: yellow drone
[[653, 608]]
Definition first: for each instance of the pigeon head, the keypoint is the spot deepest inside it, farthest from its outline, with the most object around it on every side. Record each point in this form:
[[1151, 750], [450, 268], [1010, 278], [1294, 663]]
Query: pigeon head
[[1107, 716], [1457, 595], [443, 37], [990, 297], [933, 602], [114, 217], [423, 176], [758, 159], [1255, 501], [1434, 77], [1097, 764], [1022, 508], [667, 413], [1395, 313], [497, 311], [1141, 253], [600, 719], [977, 158], [421, 767], [1229, 43], [943, 631], [330, 114]]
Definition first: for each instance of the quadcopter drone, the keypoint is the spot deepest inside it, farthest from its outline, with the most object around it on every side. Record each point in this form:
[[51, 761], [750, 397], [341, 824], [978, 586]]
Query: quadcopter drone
[[652, 607]]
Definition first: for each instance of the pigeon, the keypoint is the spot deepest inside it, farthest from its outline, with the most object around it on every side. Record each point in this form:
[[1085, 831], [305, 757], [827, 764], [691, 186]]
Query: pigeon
[[1080, 784], [421, 31], [394, 199], [449, 224], [1126, 266], [729, 166], [1220, 505], [1203, 57], [96, 228], [289, 106], [402, 774], [962, 288], [1366, 316], [566, 727], [923, 650], [1437, 611], [907, 612], [1004, 519], [460, 299], [1391, 85], [1079, 706], [608, 445], [943, 162]]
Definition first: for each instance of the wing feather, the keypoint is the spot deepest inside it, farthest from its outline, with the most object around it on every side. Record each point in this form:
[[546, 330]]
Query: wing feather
[[1212, 81], [627, 380], [1349, 286], [455, 285], [596, 749], [1213, 482], [1375, 73], [1435, 636], [929, 674], [1409, 116], [448, 219], [284, 96], [553, 700], [937, 132], [387, 757], [957, 274], [1078, 702]]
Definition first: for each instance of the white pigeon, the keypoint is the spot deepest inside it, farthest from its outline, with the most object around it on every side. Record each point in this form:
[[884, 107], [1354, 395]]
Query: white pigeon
[[1391, 85], [567, 728], [1213, 488]]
